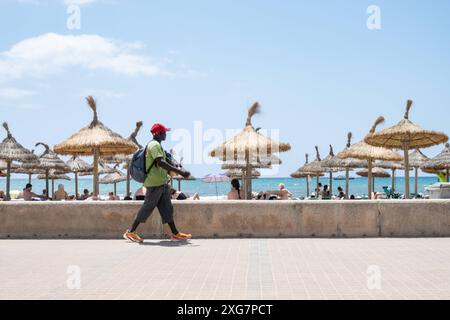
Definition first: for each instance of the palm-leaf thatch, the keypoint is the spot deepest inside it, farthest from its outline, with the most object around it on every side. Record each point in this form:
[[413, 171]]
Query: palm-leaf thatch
[[47, 161], [237, 174], [331, 164], [77, 165], [248, 144], [114, 178], [349, 163], [53, 175], [364, 151], [440, 162], [11, 150], [126, 158], [102, 168], [264, 162], [376, 173], [405, 136], [95, 136], [97, 140]]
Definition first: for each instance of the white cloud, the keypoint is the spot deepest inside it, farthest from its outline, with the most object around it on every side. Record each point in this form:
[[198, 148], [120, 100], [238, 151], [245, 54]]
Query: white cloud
[[103, 93], [78, 2], [53, 53], [63, 2], [15, 93]]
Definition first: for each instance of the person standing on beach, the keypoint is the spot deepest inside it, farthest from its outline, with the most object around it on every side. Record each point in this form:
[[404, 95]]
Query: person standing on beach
[[157, 188]]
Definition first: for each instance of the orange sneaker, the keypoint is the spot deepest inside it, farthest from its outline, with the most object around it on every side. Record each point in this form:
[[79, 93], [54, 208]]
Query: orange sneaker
[[133, 236], [181, 236]]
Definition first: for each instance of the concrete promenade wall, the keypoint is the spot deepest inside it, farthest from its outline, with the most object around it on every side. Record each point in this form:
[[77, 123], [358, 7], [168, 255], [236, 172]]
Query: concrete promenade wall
[[231, 219]]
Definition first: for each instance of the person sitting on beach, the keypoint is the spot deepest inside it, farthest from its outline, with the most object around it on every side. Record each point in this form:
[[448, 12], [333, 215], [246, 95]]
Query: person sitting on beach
[[325, 192], [281, 194], [112, 197], [60, 194], [178, 195], [341, 194], [140, 193], [128, 197], [235, 192], [28, 195], [2, 195], [261, 196], [85, 194]]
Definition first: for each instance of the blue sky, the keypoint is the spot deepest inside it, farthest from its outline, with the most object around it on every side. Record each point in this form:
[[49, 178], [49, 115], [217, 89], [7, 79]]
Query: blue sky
[[314, 66]]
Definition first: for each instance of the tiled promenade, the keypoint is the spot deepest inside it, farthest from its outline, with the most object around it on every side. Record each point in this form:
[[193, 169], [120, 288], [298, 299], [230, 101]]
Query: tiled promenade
[[226, 269]]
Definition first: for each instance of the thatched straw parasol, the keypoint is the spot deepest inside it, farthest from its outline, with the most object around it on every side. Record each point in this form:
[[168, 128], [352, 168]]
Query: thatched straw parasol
[[248, 144], [11, 150], [406, 136], [237, 174], [264, 162], [123, 158], [114, 178], [47, 160], [53, 175], [364, 151], [440, 162], [314, 168], [77, 165], [96, 140], [102, 168], [331, 164], [348, 164], [394, 166], [299, 174], [376, 173], [416, 160]]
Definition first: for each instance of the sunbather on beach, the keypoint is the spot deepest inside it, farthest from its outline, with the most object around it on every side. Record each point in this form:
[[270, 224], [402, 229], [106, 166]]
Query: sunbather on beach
[[85, 194], [282, 193], [60, 194], [140, 193], [178, 195], [235, 192], [2, 195], [29, 195], [158, 190]]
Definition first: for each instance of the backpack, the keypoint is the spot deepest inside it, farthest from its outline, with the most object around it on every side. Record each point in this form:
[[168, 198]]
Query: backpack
[[138, 165]]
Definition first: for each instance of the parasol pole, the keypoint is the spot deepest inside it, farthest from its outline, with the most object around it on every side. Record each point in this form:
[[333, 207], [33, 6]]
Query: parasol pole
[[115, 189], [128, 180], [29, 178], [307, 185], [447, 172], [76, 185], [248, 176], [406, 155], [8, 180], [179, 184], [47, 189], [331, 183], [347, 178], [317, 186], [393, 179], [95, 173], [369, 177], [416, 180], [53, 188]]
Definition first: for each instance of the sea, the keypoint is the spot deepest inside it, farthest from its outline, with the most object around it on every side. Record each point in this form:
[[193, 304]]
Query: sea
[[358, 186]]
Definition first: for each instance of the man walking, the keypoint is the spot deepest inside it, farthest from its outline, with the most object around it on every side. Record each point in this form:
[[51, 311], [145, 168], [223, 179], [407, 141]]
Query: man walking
[[158, 190]]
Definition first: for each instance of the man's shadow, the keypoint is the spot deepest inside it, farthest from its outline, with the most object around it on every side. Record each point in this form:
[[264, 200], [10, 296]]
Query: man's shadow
[[169, 243]]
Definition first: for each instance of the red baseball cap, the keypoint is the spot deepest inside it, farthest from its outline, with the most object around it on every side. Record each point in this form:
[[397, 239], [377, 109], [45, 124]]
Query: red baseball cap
[[158, 127]]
